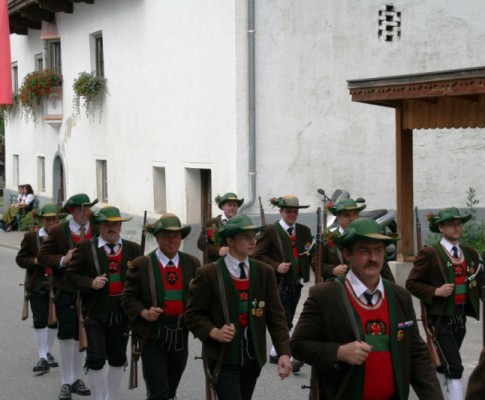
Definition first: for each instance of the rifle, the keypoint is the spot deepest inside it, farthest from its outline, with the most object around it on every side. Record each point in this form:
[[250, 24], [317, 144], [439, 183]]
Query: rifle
[[133, 380], [52, 317], [261, 212], [205, 256], [435, 352], [27, 284], [83, 337]]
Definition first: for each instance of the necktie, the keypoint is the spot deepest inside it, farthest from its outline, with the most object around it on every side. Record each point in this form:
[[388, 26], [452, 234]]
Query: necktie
[[290, 231], [368, 297], [111, 247], [170, 263], [243, 272], [454, 251]]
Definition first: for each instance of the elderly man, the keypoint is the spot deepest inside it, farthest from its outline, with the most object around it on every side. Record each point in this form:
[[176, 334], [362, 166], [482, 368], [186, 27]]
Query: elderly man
[[98, 270], [444, 277], [38, 287], [360, 330], [334, 263], [229, 204], [236, 344], [285, 246], [154, 298], [56, 252]]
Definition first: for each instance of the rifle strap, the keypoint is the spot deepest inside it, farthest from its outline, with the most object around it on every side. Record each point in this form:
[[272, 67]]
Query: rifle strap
[[95, 258], [281, 249], [225, 311], [151, 279], [355, 330]]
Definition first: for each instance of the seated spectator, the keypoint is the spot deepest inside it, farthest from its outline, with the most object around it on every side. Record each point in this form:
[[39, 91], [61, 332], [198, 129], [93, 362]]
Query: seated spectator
[[24, 200]]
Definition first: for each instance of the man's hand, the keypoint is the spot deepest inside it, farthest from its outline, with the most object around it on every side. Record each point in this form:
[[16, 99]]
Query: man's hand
[[223, 251], [99, 282], [445, 290], [340, 269], [354, 353], [284, 366], [151, 314], [67, 258], [223, 335], [283, 268]]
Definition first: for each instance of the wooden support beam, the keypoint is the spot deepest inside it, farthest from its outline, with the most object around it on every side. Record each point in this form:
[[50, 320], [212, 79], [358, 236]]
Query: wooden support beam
[[56, 5], [37, 14], [404, 189]]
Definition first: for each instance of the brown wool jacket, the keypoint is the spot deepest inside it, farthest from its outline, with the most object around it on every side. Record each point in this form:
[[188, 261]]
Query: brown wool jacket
[[25, 259], [268, 251], [212, 248], [81, 272], [324, 325], [137, 295], [204, 311], [429, 273]]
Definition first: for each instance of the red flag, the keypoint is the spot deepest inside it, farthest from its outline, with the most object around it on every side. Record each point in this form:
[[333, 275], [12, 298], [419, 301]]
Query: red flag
[[5, 61]]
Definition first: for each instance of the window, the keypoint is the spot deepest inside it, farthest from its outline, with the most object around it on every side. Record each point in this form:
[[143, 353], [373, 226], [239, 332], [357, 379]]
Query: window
[[15, 78], [15, 170], [54, 55], [159, 190], [97, 54], [102, 180], [41, 174], [39, 62], [389, 23]]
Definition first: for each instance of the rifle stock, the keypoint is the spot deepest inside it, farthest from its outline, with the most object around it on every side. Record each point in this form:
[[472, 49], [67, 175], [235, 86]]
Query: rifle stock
[[261, 212], [25, 308], [143, 237]]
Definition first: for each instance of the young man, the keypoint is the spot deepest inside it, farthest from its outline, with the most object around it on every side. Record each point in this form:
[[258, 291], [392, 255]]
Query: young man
[[285, 246], [253, 304], [56, 252], [98, 270], [360, 331], [154, 298], [229, 204], [38, 287], [444, 277], [334, 263]]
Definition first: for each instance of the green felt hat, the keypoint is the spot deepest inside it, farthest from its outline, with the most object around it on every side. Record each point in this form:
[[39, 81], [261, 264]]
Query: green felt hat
[[363, 229], [109, 214], [171, 223], [220, 200], [238, 224], [49, 210], [286, 201], [77, 201], [344, 205], [446, 214]]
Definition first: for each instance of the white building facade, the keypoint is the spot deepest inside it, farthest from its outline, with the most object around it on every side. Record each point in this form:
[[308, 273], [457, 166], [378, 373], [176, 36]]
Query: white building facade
[[177, 115]]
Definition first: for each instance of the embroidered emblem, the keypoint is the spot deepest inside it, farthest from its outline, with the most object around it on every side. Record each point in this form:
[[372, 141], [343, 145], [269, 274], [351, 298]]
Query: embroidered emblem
[[113, 266], [243, 296], [472, 270], [458, 270], [375, 327], [261, 304], [400, 335], [258, 312], [171, 277]]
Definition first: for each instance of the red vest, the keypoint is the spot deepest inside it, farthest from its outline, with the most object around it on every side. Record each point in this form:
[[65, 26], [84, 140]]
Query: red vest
[[114, 267], [294, 250], [460, 281], [379, 383], [77, 238], [242, 286], [173, 285]]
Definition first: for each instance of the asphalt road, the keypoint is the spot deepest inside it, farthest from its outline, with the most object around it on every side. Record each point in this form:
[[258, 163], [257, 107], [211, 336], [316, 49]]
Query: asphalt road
[[19, 355]]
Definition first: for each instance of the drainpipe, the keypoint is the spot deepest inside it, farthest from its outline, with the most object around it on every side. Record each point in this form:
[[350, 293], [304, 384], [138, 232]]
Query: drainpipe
[[251, 107]]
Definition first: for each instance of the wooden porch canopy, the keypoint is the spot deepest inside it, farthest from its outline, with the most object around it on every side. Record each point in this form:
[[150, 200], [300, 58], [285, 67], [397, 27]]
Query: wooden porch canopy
[[436, 100]]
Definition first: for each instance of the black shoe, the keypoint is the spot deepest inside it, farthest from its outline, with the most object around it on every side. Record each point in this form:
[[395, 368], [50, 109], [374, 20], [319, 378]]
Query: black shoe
[[41, 366], [296, 366], [80, 388], [65, 393], [50, 359], [273, 359]]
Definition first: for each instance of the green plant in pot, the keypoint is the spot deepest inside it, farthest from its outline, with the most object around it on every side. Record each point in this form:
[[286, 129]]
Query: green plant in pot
[[87, 88]]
